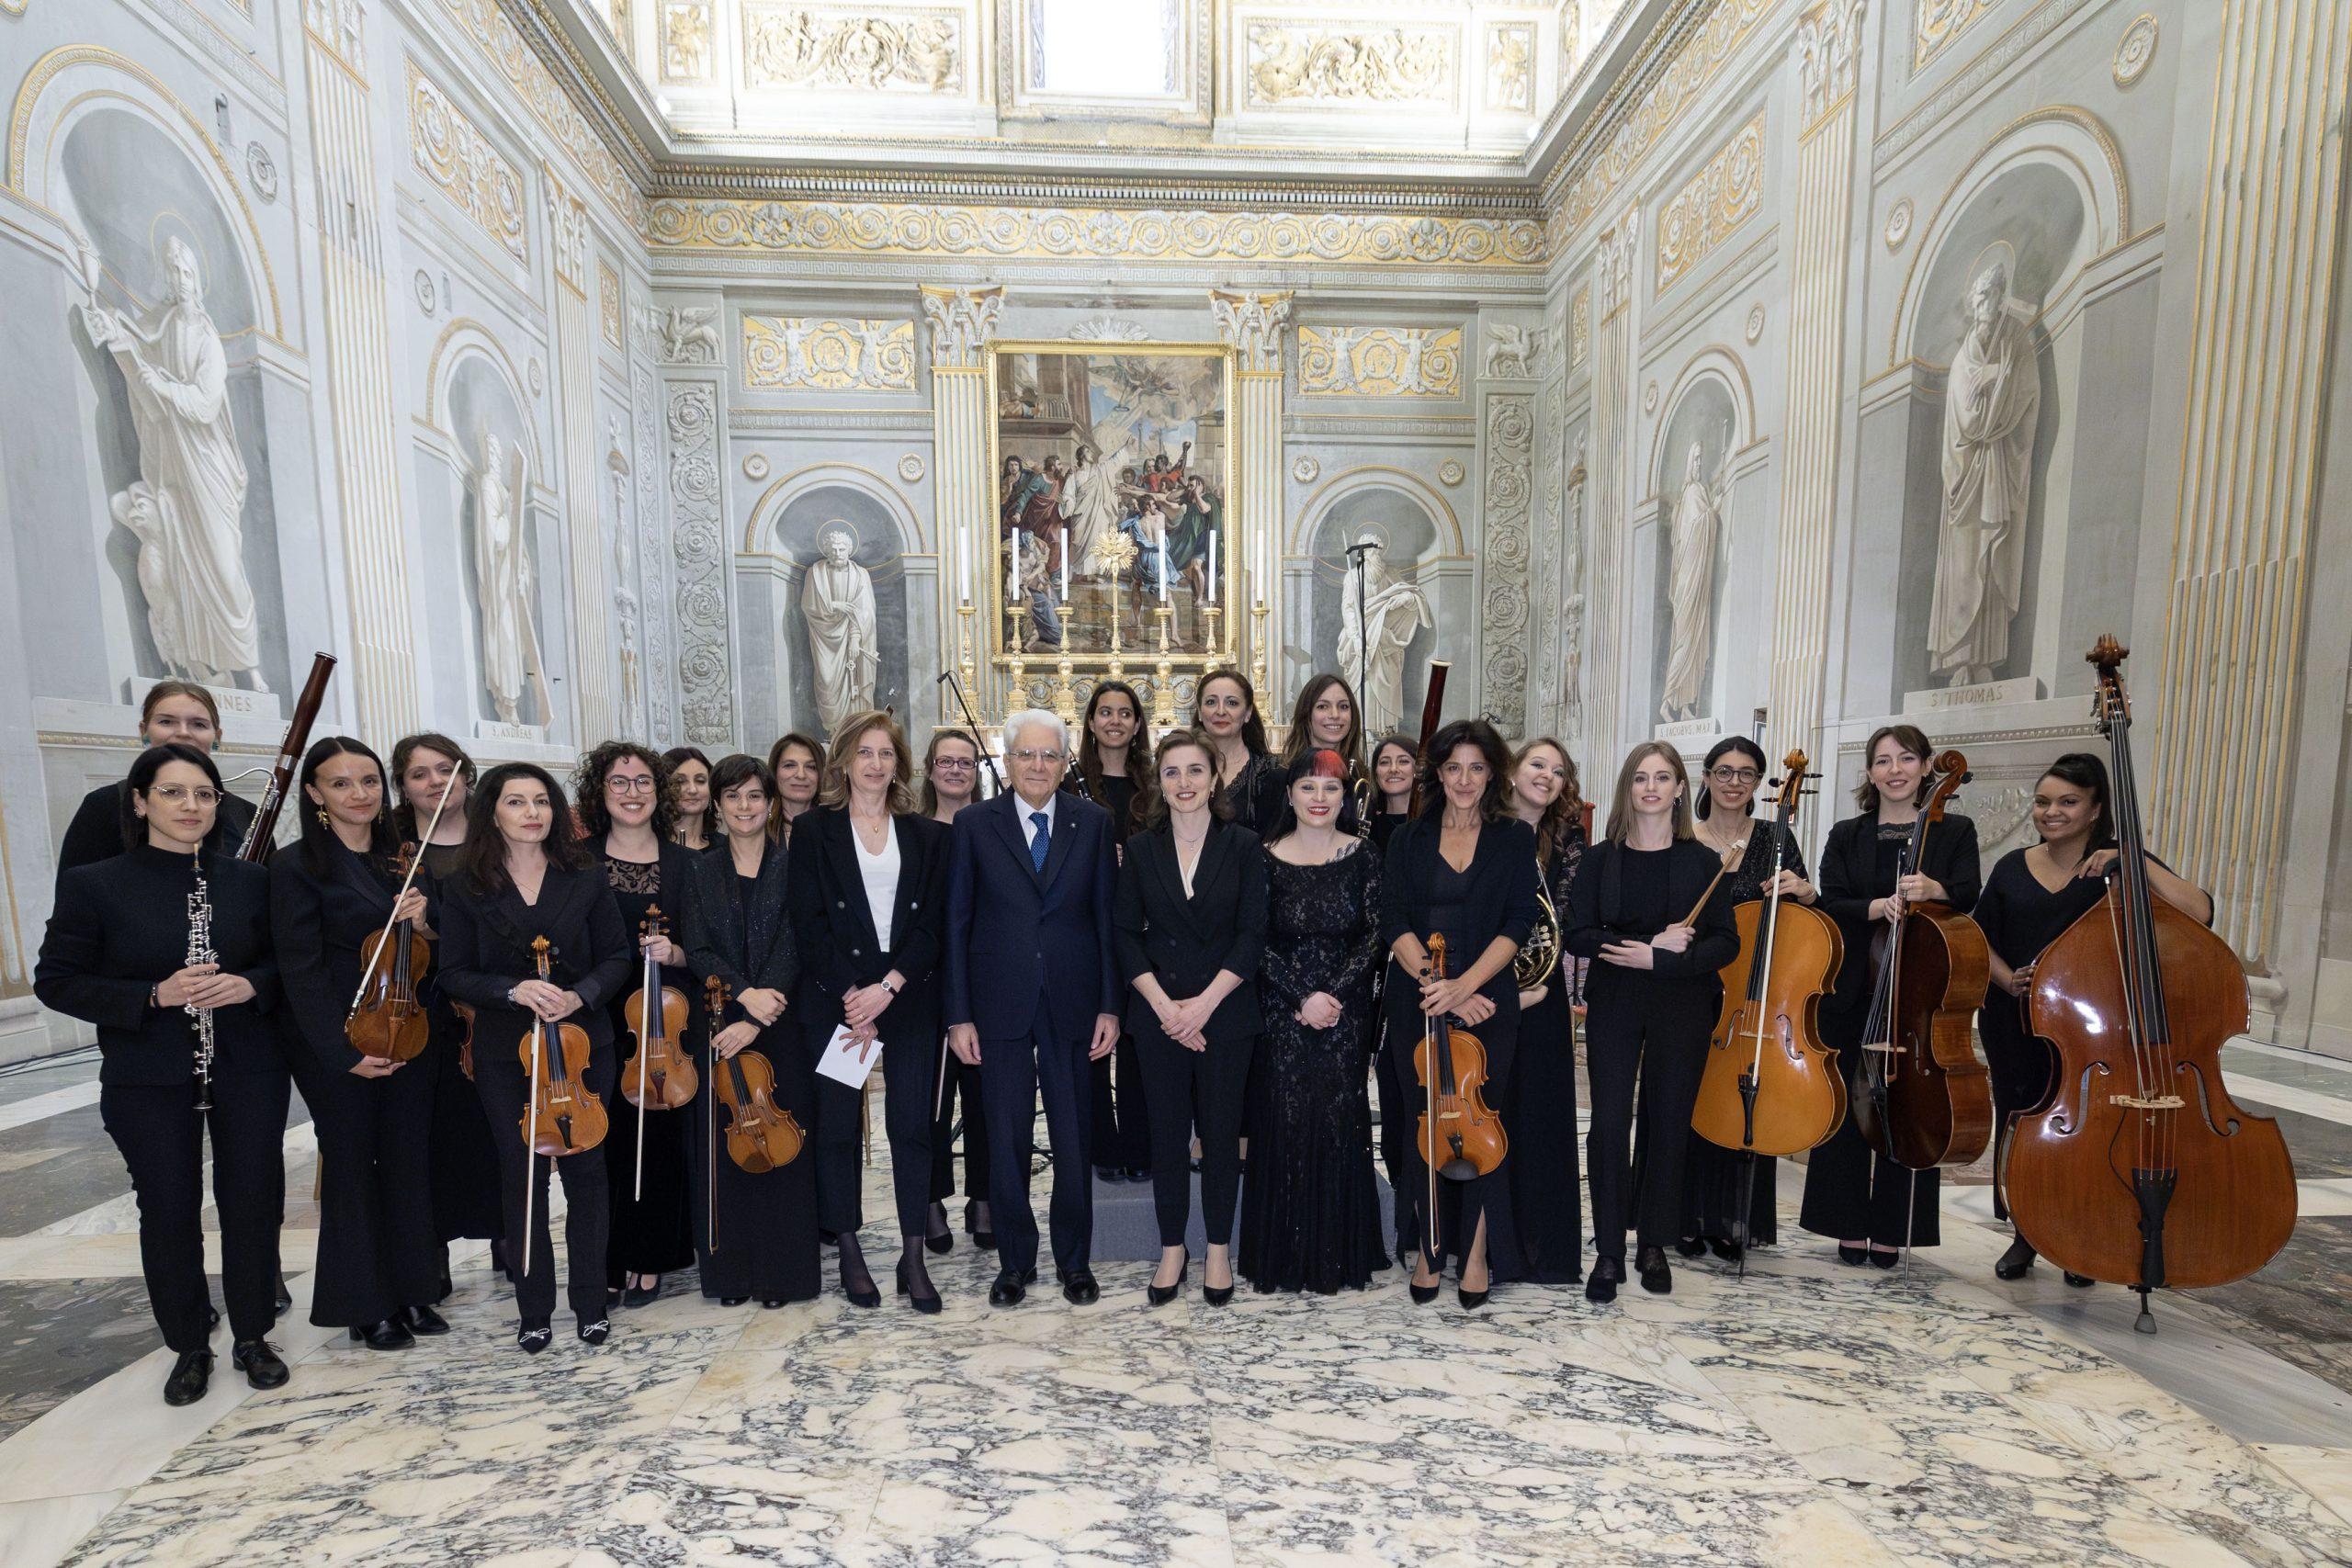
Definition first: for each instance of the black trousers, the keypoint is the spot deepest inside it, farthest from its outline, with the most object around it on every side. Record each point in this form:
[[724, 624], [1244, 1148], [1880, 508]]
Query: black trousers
[[1654, 1035], [964, 1081], [1121, 1127], [1186, 1090], [910, 1073], [377, 1248], [161, 1135], [2022, 1069], [1016, 1073], [498, 1080]]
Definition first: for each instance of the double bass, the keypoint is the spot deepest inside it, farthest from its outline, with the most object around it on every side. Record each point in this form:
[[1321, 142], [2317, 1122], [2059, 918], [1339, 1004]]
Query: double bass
[[387, 1020], [1771, 1086], [2139, 1170], [1921, 1095]]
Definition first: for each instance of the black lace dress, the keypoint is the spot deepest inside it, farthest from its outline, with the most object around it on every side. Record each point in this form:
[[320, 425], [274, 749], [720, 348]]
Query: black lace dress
[[1310, 1210]]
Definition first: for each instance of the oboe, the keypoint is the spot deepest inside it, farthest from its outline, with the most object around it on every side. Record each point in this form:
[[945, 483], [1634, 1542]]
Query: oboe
[[199, 951]]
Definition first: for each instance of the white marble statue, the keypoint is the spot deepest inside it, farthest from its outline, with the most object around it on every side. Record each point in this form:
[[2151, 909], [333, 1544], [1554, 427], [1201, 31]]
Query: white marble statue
[[837, 601], [510, 644], [186, 508], [1395, 609], [1691, 592], [1990, 406]]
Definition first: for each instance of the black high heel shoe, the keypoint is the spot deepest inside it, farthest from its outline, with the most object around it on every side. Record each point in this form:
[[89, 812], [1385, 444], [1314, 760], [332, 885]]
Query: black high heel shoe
[[866, 1295], [1691, 1247], [982, 1237], [2016, 1260], [642, 1295], [1853, 1257], [1160, 1295], [1216, 1295], [1472, 1300], [1886, 1260], [1726, 1250], [942, 1240], [921, 1303], [535, 1336]]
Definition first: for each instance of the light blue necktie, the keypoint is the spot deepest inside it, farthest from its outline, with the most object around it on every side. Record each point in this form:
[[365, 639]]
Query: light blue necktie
[[1038, 844]]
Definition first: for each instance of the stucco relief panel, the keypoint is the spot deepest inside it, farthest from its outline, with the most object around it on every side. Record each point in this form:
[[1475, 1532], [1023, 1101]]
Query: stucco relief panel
[[449, 151]]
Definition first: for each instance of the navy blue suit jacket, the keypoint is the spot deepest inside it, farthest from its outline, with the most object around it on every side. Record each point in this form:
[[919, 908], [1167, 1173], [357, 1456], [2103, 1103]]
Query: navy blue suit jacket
[[1015, 935]]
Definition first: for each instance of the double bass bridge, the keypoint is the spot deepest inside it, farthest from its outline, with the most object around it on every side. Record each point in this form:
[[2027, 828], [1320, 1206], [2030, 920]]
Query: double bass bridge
[[2147, 1102]]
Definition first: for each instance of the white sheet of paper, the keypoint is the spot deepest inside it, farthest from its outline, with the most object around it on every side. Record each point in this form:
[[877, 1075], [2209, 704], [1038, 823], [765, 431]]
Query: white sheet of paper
[[841, 1061]]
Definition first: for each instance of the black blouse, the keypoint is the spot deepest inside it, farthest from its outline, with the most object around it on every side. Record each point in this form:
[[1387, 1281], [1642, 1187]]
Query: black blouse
[[742, 935], [486, 950], [1621, 895], [1497, 900], [1115, 793], [119, 926]]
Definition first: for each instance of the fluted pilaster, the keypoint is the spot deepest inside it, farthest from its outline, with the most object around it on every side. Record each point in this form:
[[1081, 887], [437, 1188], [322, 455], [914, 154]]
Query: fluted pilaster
[[1608, 500], [962, 321], [583, 465], [1254, 324]]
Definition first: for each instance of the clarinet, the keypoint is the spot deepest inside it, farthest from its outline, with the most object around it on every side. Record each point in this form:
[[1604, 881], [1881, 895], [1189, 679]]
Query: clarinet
[[199, 951]]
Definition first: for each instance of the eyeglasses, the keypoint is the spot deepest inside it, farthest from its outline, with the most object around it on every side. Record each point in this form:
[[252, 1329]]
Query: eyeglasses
[[178, 794], [1735, 775], [632, 786], [953, 765], [1037, 754]]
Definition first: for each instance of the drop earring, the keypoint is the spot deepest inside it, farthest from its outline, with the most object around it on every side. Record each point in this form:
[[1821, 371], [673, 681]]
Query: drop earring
[[323, 822]]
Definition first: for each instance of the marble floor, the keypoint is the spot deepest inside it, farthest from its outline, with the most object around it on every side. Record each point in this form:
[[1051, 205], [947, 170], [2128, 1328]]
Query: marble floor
[[1808, 1414]]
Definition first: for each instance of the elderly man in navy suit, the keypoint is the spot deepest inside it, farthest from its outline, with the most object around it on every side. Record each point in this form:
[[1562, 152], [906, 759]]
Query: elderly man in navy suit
[[1033, 991]]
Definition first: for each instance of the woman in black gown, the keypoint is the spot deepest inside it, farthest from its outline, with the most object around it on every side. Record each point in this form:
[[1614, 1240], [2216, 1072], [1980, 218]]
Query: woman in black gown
[[1712, 1179], [755, 1235], [1464, 869], [1873, 1207], [626, 796], [2030, 899], [1310, 1220], [1545, 1198], [1225, 710], [1114, 770]]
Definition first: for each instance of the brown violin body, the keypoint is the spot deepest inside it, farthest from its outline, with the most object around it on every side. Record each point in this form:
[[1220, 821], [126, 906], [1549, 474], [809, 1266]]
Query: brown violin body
[[465, 1038], [1458, 1136], [564, 1115], [658, 1076], [1769, 1035], [1937, 1107], [390, 1023], [759, 1137]]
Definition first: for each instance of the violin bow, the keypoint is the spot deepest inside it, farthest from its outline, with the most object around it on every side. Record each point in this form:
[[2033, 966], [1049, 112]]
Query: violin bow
[[648, 984], [406, 883], [531, 1133], [715, 1007], [1732, 857]]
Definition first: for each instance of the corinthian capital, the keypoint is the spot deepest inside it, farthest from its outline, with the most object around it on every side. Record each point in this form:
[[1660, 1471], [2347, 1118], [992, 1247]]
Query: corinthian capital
[[1615, 262], [962, 321], [1828, 51], [1253, 324]]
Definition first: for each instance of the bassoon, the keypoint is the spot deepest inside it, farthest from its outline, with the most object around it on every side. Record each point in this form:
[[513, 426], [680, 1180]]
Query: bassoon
[[264, 831]]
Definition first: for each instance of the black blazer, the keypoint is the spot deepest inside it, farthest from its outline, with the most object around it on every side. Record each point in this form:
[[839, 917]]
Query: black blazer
[[321, 925], [1015, 935], [1185, 941], [753, 948], [96, 833], [1502, 903], [1595, 916], [486, 949], [834, 928], [1849, 880], [118, 926]]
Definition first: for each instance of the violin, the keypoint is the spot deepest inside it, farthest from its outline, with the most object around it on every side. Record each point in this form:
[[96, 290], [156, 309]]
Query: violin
[[759, 1137], [2138, 1169], [1923, 1098], [659, 1076], [1459, 1136], [387, 1020], [564, 1116], [1771, 1086], [465, 1038]]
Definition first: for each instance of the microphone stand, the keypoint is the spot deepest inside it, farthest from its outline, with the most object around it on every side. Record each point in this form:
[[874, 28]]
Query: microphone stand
[[947, 679], [1356, 554]]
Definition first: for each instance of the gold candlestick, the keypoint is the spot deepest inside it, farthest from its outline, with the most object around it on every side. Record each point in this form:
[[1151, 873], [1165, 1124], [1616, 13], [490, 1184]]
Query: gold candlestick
[[1016, 639], [1066, 692], [1258, 645], [967, 646], [1164, 679], [1210, 647]]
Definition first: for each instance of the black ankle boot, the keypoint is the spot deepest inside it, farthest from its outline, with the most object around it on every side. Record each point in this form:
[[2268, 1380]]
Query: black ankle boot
[[1658, 1277], [2016, 1260]]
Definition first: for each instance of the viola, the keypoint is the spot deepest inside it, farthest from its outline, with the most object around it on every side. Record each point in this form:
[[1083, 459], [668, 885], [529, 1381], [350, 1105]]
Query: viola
[[1922, 1096], [1459, 1136], [659, 1076], [761, 1136], [564, 1116], [387, 1020], [1771, 1086], [2138, 1169]]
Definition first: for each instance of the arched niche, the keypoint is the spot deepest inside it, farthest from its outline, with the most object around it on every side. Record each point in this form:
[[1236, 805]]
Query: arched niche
[[783, 536], [1420, 538], [1690, 535]]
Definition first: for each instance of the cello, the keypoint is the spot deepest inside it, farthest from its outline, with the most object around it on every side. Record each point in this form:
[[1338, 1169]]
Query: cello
[[1922, 1097], [1771, 1086], [386, 1019], [2138, 1169]]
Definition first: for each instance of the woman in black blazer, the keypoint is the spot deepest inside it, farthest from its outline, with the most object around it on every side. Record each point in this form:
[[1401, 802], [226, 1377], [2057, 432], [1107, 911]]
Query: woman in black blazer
[[1875, 1208], [116, 955], [380, 1255], [1651, 1001], [756, 1232], [1189, 916], [524, 875], [175, 713], [1464, 869], [867, 892]]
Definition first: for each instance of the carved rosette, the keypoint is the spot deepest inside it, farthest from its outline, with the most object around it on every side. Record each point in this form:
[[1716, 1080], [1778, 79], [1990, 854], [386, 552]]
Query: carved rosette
[[1253, 324], [962, 322], [1507, 535], [701, 553]]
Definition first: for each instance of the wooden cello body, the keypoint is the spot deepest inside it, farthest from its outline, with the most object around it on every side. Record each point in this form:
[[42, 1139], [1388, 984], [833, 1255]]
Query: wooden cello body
[[1771, 1086], [2140, 1169]]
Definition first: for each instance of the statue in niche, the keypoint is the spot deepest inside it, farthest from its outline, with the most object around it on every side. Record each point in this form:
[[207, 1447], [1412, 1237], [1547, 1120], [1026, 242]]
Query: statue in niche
[[187, 509], [1374, 639], [624, 563], [510, 641], [1691, 592], [837, 601], [1990, 406]]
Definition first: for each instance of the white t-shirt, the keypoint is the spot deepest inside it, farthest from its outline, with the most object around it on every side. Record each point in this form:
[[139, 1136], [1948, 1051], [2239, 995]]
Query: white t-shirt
[[881, 874]]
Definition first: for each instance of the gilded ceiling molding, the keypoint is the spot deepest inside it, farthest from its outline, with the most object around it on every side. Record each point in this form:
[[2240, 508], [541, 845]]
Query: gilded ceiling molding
[[942, 187], [451, 152], [875, 228], [1719, 198]]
